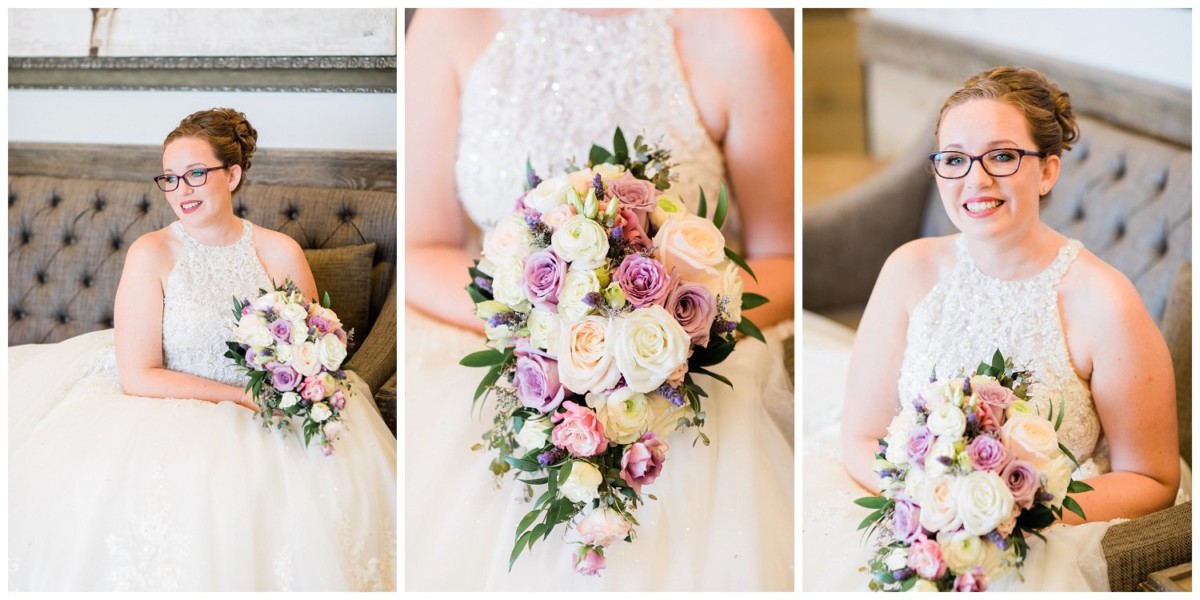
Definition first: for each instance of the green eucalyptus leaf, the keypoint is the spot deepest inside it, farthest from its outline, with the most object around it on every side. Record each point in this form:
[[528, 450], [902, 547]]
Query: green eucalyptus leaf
[[747, 327], [1078, 487], [702, 210], [872, 502], [1070, 504], [620, 149], [716, 376], [722, 206], [483, 358], [598, 155], [739, 261], [751, 300]]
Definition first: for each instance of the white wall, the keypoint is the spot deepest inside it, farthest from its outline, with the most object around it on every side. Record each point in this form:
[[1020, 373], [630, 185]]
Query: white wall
[[1153, 44], [329, 121]]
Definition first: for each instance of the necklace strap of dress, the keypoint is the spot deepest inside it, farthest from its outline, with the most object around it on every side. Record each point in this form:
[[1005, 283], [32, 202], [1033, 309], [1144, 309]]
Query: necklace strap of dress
[[243, 240], [1067, 253]]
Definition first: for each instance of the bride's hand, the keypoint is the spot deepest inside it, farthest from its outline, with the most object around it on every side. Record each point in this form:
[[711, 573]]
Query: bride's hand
[[247, 401]]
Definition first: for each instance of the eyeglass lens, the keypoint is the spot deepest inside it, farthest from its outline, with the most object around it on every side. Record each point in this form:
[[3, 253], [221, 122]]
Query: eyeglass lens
[[998, 163]]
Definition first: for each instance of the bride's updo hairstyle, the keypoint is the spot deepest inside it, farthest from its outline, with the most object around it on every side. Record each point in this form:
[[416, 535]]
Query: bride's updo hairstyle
[[1047, 109], [228, 131]]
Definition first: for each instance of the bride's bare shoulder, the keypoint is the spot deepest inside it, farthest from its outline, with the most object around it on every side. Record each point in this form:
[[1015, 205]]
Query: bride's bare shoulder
[[914, 268], [457, 35], [1099, 292], [155, 251]]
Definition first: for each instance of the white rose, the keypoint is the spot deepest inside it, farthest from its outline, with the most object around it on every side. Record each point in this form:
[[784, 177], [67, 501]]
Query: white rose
[[283, 354], [948, 422], [252, 331], [267, 301], [940, 448], [548, 195], [534, 433], [649, 345], [625, 414], [666, 415], [507, 285], [576, 286], [585, 359], [961, 550], [299, 331], [583, 483], [603, 527], [923, 585], [581, 242], [289, 399], [332, 351], [936, 395], [998, 563], [293, 312], [939, 504], [984, 501], [319, 412], [306, 359], [544, 330], [510, 239], [896, 559], [667, 207], [1031, 438], [914, 483], [1056, 477], [608, 171], [334, 430], [691, 244], [899, 430]]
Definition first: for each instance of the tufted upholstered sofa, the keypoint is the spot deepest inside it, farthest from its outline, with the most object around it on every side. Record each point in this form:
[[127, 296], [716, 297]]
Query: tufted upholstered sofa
[[73, 211], [1125, 195]]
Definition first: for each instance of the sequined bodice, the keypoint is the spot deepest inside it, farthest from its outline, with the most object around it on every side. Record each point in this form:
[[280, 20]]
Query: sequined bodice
[[553, 82], [968, 315], [198, 303]]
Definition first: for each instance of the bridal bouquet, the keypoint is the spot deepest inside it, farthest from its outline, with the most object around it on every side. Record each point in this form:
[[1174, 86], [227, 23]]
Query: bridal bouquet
[[966, 472], [292, 350], [602, 299]]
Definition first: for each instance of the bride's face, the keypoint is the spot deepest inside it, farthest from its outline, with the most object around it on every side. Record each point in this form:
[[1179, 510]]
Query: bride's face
[[980, 204], [200, 204]]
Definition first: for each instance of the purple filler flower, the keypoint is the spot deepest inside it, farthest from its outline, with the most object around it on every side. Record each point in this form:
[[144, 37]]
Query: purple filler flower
[[1022, 480], [906, 522], [694, 308], [545, 273], [987, 453], [281, 330], [644, 280], [537, 383], [284, 378]]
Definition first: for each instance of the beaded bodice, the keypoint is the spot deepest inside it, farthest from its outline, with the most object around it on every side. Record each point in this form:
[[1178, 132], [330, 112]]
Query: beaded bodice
[[968, 315], [198, 303], [553, 82]]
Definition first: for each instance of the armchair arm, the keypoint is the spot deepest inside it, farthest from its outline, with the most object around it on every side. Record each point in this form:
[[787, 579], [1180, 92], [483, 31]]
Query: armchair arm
[[1136, 548], [385, 399], [848, 237], [375, 360]]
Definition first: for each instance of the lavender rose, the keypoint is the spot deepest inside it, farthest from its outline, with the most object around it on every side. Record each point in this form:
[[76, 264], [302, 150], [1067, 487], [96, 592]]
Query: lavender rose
[[545, 274], [993, 399], [1022, 480], [987, 453], [906, 522], [644, 280], [633, 193], [281, 330], [283, 377], [643, 461], [918, 444], [695, 308], [537, 383]]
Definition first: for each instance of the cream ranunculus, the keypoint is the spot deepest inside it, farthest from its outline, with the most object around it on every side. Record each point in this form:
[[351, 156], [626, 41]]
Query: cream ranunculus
[[1031, 438], [897, 559], [667, 207], [306, 359], [320, 411], [625, 414], [548, 195], [939, 504], [961, 550], [581, 242], [283, 353], [510, 238], [948, 422], [507, 286], [608, 171], [691, 244], [649, 345], [289, 399], [534, 433], [545, 328], [332, 351], [585, 358], [1056, 477], [576, 287], [984, 502], [583, 482]]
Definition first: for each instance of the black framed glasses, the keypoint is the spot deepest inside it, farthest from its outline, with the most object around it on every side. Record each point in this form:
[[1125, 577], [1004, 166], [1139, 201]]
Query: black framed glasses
[[1000, 162], [194, 177]]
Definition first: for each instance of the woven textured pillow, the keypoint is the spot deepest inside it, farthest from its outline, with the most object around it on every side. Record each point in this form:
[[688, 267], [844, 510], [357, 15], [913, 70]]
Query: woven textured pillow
[[345, 273]]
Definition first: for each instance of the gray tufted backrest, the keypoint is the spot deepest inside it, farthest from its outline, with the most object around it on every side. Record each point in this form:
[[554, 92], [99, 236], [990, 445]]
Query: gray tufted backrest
[[67, 240], [1127, 198]]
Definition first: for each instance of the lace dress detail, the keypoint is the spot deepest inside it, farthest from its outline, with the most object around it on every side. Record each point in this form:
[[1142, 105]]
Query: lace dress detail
[[199, 292], [527, 97], [967, 316]]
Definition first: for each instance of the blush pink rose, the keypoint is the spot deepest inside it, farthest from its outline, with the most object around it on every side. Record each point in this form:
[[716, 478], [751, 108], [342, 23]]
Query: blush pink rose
[[588, 561], [633, 193], [312, 390], [643, 461], [925, 557], [971, 581], [603, 527], [578, 431]]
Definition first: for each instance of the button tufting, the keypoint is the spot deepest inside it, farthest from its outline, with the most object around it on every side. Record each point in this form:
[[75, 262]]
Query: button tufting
[[1079, 213], [347, 214], [1161, 247], [12, 199], [64, 319], [144, 206], [55, 200], [116, 243], [99, 203], [292, 213], [69, 240], [41, 277], [18, 314], [1120, 232], [1161, 181], [241, 210], [1118, 168], [25, 237], [107, 321], [87, 281]]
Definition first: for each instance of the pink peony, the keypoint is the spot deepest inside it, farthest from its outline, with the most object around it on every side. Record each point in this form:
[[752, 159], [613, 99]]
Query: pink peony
[[643, 461], [588, 561], [925, 557], [578, 431]]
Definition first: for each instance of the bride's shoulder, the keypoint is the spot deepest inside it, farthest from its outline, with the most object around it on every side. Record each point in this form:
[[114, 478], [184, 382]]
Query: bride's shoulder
[[155, 250], [455, 36], [275, 246], [915, 267], [1098, 290]]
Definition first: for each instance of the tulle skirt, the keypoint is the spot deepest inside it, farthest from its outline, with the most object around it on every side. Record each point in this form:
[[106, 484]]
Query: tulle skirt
[[115, 492], [723, 515]]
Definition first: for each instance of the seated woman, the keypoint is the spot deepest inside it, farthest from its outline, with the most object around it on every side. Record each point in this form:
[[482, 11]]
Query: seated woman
[[1009, 282], [142, 467]]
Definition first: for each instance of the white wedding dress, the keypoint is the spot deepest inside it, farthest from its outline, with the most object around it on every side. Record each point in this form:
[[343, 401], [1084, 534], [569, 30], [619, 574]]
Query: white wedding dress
[[114, 492], [963, 320], [551, 84]]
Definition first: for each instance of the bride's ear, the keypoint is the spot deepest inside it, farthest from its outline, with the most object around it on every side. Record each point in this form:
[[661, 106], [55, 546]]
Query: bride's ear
[[235, 176], [1050, 167]]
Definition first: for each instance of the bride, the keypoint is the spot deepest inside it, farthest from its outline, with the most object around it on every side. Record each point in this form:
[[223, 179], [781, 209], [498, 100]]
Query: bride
[[142, 467], [1009, 282], [485, 90]]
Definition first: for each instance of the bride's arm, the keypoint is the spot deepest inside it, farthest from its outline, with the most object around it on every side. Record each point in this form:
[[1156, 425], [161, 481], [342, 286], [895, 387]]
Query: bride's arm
[[137, 321], [436, 260], [1133, 387]]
